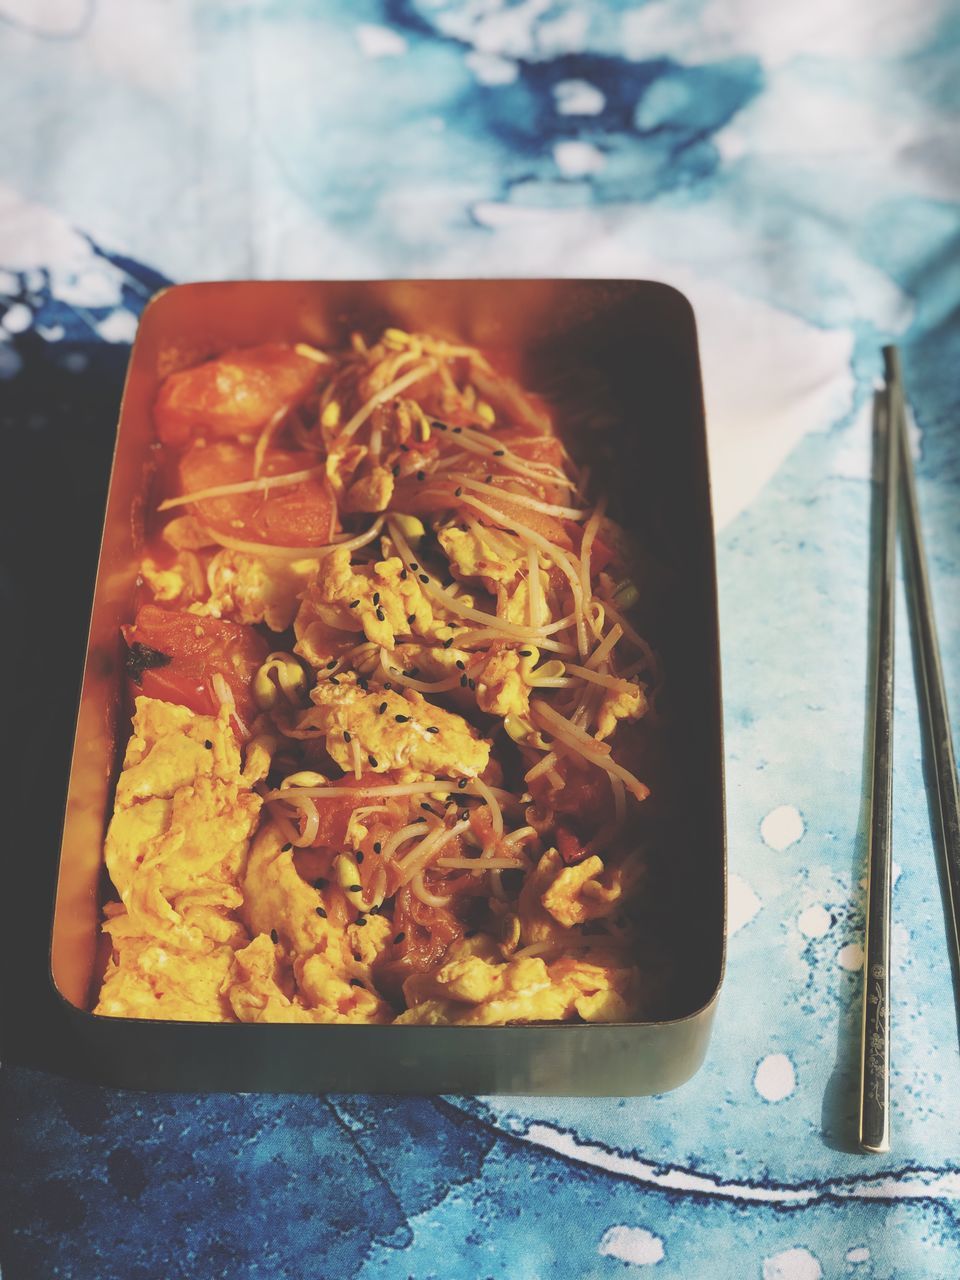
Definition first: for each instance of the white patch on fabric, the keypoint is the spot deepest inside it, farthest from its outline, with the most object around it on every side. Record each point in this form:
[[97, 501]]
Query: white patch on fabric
[[492, 70], [792, 1264], [635, 1245], [53, 19], [858, 1254], [904, 1184], [775, 1078], [814, 922], [775, 35], [850, 957], [119, 326], [577, 159], [380, 42], [577, 98], [742, 904], [782, 827], [17, 318]]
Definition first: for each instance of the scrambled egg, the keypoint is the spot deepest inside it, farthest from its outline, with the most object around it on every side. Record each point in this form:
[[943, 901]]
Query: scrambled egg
[[383, 601], [371, 492], [317, 970], [183, 580], [175, 849], [474, 987], [578, 894], [408, 734], [247, 589], [617, 705], [471, 556], [555, 898], [501, 688]]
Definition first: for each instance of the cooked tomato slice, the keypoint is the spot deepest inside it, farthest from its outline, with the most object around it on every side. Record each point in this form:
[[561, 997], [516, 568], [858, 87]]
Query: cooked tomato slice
[[303, 514], [173, 656], [584, 797], [335, 812], [239, 392], [601, 555], [427, 930]]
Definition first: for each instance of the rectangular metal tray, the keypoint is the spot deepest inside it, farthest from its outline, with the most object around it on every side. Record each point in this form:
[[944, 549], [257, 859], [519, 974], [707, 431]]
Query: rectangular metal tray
[[618, 361]]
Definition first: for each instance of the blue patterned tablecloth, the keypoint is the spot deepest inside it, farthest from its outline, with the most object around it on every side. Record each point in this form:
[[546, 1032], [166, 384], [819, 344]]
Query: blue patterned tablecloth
[[795, 171]]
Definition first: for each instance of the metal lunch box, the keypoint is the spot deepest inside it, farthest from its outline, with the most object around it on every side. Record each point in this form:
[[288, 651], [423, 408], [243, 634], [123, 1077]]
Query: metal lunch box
[[617, 361]]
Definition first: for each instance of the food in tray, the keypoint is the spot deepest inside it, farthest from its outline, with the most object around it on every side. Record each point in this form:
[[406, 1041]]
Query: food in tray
[[391, 715]]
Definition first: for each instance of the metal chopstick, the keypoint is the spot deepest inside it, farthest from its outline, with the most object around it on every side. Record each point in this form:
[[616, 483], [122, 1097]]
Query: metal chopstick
[[874, 1126], [933, 693]]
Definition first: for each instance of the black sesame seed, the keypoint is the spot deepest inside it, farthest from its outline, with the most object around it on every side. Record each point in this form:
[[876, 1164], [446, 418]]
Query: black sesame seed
[[396, 469], [462, 783], [333, 680], [377, 846], [463, 682], [320, 883], [376, 597], [382, 708], [428, 807], [331, 664], [274, 936], [355, 982], [472, 683], [488, 479], [354, 604], [424, 578], [499, 453], [360, 920], [432, 728], [286, 848], [346, 735], [458, 493], [421, 475], [401, 719], [359, 855], [421, 819], [411, 619], [208, 744], [439, 426], [321, 913], [373, 761], [387, 684], [353, 888], [448, 642], [525, 653], [414, 566], [457, 430], [403, 575], [461, 665], [399, 938], [464, 814], [380, 615]]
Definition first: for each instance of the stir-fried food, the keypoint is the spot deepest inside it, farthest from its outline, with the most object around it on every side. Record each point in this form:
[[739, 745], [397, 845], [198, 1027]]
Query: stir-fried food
[[391, 712]]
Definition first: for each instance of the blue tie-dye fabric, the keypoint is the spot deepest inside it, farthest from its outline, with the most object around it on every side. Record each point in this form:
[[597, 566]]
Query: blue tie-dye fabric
[[794, 169]]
